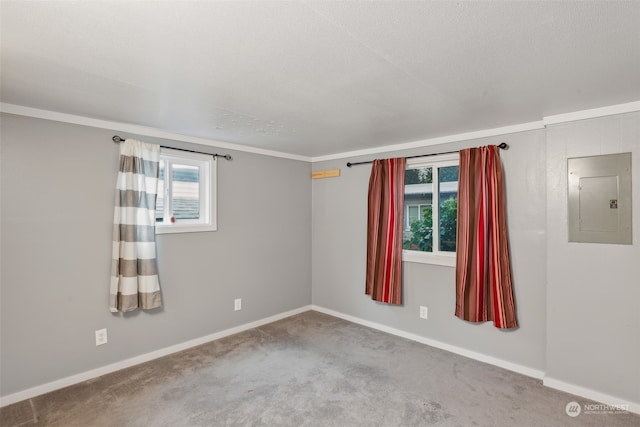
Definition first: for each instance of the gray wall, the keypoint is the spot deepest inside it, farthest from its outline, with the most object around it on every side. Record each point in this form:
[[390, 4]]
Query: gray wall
[[57, 195], [577, 304], [339, 257], [593, 294]]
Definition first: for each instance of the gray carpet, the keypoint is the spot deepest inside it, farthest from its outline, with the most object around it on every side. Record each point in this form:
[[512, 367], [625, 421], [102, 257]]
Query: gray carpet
[[308, 370]]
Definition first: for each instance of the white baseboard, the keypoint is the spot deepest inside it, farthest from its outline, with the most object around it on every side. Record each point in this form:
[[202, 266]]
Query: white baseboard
[[534, 373], [524, 370], [590, 394], [94, 373]]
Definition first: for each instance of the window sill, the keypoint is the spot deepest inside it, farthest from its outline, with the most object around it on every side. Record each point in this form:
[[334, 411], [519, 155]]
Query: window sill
[[184, 229], [429, 258]]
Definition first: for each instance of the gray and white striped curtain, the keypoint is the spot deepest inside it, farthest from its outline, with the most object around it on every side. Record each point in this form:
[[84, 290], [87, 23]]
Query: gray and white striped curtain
[[134, 270]]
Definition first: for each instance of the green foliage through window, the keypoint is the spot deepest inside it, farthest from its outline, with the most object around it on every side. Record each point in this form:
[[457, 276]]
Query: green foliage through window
[[422, 229], [448, 221], [421, 232]]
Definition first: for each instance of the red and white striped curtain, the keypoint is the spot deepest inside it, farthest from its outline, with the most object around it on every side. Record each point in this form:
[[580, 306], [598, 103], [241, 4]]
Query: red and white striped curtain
[[384, 231], [483, 275]]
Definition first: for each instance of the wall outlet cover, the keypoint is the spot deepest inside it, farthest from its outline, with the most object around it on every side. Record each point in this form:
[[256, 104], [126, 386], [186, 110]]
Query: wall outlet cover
[[101, 336], [424, 312]]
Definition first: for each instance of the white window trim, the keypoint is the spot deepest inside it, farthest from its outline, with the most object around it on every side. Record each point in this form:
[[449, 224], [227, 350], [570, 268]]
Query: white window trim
[[208, 193], [436, 257]]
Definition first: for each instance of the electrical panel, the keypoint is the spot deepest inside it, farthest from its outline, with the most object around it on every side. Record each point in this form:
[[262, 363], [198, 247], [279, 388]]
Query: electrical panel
[[600, 199]]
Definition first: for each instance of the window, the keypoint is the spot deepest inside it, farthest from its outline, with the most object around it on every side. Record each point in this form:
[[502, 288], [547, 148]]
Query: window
[[431, 207], [186, 192]]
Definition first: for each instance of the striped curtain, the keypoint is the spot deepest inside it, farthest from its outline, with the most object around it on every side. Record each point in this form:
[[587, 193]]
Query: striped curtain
[[384, 231], [134, 271], [483, 275]]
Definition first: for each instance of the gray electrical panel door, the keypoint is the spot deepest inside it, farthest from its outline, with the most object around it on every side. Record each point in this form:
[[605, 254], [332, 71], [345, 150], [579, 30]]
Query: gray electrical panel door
[[600, 199]]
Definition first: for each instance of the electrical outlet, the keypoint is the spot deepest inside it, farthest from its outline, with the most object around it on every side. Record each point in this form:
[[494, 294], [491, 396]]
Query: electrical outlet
[[237, 304], [101, 336], [423, 312]]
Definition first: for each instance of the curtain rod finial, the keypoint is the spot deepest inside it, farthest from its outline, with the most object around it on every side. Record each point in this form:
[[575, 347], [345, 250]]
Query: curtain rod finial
[[503, 145], [348, 164]]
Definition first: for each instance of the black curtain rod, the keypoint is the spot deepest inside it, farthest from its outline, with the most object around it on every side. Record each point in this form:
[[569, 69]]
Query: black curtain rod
[[118, 140], [502, 145]]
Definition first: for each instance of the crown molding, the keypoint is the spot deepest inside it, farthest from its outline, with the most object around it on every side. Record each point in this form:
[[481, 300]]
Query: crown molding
[[434, 141], [140, 130], [159, 133], [610, 110]]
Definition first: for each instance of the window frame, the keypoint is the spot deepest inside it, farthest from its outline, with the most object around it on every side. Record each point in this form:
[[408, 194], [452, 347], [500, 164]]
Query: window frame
[[437, 257], [207, 174]]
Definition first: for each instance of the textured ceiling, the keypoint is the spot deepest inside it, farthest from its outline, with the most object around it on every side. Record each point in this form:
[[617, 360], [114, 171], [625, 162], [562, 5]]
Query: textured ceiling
[[316, 78]]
